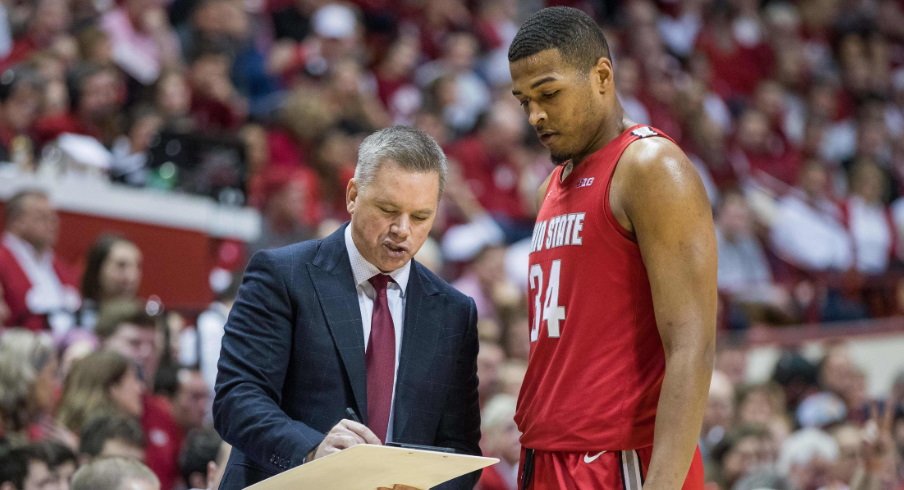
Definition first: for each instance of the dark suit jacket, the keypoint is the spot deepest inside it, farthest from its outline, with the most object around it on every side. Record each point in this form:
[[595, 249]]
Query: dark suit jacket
[[293, 360]]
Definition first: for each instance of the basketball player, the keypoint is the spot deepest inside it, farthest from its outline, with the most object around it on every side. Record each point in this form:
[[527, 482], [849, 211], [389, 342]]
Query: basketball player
[[622, 280]]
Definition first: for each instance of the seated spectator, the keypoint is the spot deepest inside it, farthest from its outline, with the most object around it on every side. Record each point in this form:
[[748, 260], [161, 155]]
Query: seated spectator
[[111, 435], [732, 361], [20, 106], [127, 328], [172, 100], [130, 151], [144, 42], [191, 400], [198, 459], [796, 375], [760, 404], [29, 386], [393, 76], [62, 460], [742, 451], [736, 50], [500, 439], [869, 219], [763, 154], [839, 374], [807, 458], [285, 198], [229, 24], [484, 279], [37, 286], [352, 99], [200, 346], [112, 273], [850, 453], [45, 29], [216, 104], [470, 95], [745, 277], [492, 164], [718, 416], [490, 357], [115, 474], [96, 98], [807, 230], [26, 468], [100, 383]]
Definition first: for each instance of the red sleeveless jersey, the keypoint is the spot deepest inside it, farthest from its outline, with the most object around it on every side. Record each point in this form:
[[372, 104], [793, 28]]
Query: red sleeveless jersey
[[596, 360]]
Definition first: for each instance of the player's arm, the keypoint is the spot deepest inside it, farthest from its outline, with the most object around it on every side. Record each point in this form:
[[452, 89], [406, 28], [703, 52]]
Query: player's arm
[[663, 202]]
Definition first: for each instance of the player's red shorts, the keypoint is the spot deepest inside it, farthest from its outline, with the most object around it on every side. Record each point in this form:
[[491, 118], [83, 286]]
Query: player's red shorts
[[608, 470]]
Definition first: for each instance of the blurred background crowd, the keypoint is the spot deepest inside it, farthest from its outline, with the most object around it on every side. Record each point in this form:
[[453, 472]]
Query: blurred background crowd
[[792, 112]]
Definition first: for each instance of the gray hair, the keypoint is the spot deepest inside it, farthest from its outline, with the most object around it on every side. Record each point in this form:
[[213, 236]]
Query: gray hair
[[112, 474], [411, 149], [23, 354]]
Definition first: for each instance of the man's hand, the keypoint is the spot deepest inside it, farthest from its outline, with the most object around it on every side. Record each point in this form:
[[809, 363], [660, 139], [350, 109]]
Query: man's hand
[[345, 434], [398, 486]]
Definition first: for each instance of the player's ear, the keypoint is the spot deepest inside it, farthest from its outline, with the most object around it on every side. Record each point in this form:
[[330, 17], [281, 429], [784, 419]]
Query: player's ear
[[602, 75], [351, 195]]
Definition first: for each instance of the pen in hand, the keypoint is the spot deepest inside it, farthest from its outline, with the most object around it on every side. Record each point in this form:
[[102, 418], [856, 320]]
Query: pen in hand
[[363, 432], [350, 413]]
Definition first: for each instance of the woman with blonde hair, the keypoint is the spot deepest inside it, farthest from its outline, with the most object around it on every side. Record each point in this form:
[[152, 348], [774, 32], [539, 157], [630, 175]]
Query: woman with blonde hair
[[100, 382], [29, 384]]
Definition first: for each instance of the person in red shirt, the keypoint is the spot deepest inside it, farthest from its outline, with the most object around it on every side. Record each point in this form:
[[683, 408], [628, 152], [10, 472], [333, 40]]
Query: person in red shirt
[[96, 94], [622, 279], [491, 163], [38, 288], [20, 105], [126, 328]]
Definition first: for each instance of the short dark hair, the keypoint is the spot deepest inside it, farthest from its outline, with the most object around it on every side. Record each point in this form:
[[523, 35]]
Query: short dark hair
[[58, 453], [16, 204], [575, 34], [201, 447], [102, 428], [115, 313], [14, 462]]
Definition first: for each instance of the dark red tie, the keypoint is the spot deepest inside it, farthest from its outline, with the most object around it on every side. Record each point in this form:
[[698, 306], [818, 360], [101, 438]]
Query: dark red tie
[[380, 360]]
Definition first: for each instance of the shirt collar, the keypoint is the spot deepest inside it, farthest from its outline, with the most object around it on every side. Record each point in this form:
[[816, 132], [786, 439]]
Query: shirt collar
[[20, 246], [364, 270]]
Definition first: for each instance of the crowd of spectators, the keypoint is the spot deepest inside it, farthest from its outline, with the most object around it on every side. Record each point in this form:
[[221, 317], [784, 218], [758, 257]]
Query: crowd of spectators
[[792, 112]]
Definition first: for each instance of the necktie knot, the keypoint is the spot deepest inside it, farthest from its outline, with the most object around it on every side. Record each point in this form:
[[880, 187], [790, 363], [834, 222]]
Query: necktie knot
[[380, 281]]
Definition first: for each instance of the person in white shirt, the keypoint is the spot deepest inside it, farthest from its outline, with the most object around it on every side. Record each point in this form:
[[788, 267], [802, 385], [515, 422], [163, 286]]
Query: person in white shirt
[[807, 230], [38, 288]]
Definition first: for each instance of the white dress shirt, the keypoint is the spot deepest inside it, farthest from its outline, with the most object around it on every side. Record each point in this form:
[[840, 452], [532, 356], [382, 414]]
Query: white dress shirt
[[48, 294], [395, 293]]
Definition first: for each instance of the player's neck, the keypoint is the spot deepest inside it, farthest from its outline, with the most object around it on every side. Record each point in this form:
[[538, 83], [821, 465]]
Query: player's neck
[[610, 128]]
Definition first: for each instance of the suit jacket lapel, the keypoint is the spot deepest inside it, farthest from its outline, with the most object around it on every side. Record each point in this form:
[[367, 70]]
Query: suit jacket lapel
[[423, 321], [331, 274]]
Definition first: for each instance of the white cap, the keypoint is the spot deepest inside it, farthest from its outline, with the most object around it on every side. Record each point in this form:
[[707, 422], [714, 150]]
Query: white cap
[[334, 21]]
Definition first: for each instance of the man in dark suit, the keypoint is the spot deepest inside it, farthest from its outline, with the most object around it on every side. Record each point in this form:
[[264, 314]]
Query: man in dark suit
[[352, 322]]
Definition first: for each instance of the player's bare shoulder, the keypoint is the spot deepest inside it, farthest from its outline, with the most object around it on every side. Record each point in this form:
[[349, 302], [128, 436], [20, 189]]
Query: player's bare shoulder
[[653, 175]]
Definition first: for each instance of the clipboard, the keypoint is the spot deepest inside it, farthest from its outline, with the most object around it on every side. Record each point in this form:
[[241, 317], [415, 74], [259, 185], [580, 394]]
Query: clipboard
[[368, 466]]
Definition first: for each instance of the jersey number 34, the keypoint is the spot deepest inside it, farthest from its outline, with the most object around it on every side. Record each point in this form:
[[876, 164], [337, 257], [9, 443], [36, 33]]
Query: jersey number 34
[[547, 310]]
